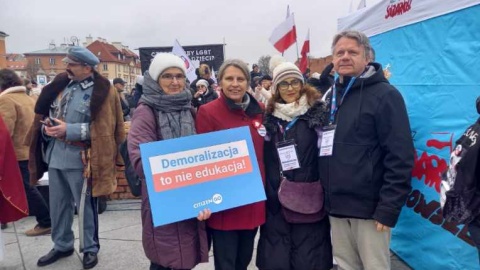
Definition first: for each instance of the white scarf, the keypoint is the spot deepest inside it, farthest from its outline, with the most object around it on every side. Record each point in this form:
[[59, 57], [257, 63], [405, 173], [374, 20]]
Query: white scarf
[[291, 110]]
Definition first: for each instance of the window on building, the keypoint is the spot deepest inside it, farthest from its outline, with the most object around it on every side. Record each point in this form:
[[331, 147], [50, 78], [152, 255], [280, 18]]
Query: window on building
[[119, 57], [105, 67], [37, 61], [52, 61]]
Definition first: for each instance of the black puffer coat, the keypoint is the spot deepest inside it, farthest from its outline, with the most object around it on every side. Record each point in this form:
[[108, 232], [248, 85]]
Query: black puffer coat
[[293, 246]]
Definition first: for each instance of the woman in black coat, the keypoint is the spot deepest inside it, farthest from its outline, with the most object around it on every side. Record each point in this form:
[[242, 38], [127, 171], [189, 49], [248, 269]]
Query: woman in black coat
[[293, 113]]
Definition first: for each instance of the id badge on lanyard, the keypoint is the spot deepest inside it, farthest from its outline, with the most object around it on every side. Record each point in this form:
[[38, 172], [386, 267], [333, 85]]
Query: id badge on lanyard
[[287, 153], [327, 134], [287, 149], [325, 140]]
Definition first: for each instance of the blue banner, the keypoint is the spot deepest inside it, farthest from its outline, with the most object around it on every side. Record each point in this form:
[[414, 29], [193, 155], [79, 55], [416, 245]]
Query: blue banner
[[434, 63], [217, 170]]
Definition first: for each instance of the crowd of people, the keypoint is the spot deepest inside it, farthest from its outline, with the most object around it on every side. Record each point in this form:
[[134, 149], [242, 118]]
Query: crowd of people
[[349, 138]]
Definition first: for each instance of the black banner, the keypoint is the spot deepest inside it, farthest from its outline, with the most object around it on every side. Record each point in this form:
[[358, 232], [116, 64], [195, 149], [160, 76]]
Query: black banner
[[211, 55]]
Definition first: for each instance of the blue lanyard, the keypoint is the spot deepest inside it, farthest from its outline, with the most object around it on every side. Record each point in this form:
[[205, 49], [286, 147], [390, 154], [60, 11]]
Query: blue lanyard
[[289, 126], [334, 107]]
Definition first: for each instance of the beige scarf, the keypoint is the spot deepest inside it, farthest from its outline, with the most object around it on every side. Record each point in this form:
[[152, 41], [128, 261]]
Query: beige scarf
[[291, 110]]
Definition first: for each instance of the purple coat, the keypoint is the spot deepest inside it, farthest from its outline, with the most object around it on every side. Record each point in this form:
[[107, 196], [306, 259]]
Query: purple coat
[[180, 245]]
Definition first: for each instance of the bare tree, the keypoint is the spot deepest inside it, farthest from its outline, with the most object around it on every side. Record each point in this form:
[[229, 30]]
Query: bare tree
[[263, 64], [32, 70]]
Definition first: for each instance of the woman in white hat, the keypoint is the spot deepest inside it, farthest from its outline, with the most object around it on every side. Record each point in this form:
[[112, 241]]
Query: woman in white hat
[[204, 94], [164, 112]]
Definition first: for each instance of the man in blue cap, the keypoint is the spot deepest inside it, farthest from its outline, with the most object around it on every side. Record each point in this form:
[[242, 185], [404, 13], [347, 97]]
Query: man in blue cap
[[77, 130]]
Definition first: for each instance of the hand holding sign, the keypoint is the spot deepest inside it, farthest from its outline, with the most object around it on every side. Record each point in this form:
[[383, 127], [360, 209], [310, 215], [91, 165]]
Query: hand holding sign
[[204, 214]]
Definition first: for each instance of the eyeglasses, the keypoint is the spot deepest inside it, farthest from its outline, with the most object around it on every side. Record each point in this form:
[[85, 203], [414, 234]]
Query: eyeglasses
[[295, 84], [170, 77]]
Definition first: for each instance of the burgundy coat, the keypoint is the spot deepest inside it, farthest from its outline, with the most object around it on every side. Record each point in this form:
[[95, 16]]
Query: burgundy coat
[[222, 114], [180, 245], [13, 201]]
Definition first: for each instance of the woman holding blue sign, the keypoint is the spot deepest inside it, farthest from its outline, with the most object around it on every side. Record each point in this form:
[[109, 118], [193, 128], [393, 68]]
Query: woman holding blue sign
[[164, 112], [233, 231], [296, 234]]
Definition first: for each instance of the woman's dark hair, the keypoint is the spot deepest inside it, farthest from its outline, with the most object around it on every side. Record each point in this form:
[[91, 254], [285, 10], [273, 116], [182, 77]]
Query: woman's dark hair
[[8, 78], [312, 96]]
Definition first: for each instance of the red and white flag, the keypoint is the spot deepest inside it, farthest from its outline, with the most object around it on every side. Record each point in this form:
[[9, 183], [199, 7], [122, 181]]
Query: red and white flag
[[305, 52], [284, 35]]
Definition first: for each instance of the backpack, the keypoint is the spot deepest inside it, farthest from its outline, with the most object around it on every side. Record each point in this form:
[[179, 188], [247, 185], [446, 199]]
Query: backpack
[[133, 180]]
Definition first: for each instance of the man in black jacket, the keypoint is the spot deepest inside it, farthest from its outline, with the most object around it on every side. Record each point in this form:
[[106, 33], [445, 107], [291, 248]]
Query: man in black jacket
[[366, 165]]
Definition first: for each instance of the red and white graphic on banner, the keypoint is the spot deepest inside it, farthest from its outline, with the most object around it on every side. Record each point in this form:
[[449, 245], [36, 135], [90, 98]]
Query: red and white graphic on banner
[[387, 15]]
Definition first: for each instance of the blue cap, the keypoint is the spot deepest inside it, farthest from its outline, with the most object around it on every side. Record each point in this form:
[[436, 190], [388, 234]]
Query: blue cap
[[82, 56]]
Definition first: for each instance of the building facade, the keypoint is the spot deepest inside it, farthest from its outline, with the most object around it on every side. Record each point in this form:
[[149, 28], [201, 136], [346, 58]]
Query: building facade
[[3, 50], [46, 62], [18, 63], [116, 60]]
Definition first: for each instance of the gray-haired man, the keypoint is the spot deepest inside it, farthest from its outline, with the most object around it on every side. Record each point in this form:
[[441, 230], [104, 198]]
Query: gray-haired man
[[366, 165]]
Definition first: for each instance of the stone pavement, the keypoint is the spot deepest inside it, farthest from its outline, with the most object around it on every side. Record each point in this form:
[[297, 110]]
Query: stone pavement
[[120, 240]]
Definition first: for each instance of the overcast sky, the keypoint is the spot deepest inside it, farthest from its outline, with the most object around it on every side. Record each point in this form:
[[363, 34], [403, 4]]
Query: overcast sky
[[244, 25]]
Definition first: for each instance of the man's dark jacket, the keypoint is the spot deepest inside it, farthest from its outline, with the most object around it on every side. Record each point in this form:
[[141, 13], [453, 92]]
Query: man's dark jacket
[[369, 174]]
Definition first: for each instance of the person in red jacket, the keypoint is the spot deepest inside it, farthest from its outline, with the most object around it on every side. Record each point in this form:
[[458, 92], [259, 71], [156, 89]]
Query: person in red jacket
[[13, 201], [233, 231]]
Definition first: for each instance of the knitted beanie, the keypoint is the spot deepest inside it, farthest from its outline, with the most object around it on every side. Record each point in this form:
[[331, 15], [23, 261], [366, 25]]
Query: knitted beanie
[[163, 61], [283, 71], [202, 82]]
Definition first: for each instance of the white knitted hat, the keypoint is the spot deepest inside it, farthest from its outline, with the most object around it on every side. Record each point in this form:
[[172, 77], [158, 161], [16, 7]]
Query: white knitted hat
[[285, 70], [202, 82], [162, 61]]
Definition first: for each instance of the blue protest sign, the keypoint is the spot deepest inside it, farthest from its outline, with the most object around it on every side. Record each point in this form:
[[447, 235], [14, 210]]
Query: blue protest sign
[[217, 170]]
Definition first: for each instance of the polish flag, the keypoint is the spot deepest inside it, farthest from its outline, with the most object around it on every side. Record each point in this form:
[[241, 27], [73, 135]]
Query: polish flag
[[284, 35], [305, 51]]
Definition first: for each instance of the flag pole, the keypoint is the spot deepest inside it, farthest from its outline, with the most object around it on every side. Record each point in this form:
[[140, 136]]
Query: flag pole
[[296, 40], [224, 44], [288, 14], [309, 45]]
